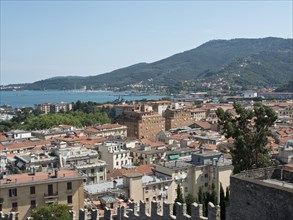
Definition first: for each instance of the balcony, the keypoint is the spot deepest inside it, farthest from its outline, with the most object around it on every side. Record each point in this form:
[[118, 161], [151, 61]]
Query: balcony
[[50, 195], [92, 174]]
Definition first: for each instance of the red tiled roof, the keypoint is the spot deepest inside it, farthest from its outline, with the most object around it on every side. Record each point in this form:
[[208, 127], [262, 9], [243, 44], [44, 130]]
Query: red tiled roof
[[3, 137], [152, 143], [194, 144], [142, 169], [25, 144], [39, 176], [203, 124], [108, 126], [179, 136]]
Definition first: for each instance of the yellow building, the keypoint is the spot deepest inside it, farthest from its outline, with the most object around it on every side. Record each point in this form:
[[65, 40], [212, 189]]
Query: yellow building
[[21, 193]]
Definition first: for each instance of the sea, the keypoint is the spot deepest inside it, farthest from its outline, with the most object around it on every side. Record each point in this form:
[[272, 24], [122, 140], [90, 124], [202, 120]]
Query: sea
[[28, 98]]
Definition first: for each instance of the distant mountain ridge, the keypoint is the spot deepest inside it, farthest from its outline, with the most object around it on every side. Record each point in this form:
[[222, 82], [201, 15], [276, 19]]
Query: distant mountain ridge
[[264, 61]]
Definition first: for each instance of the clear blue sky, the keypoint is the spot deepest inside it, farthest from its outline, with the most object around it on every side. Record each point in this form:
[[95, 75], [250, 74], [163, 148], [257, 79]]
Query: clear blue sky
[[43, 39]]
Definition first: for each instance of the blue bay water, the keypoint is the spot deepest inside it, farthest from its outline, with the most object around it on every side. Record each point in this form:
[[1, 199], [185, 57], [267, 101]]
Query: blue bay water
[[28, 98]]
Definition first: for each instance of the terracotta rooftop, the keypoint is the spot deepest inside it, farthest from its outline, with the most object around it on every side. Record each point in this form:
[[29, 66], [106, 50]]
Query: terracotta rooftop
[[194, 144], [65, 126], [3, 137], [203, 124], [179, 136], [142, 169], [24, 144], [162, 102], [152, 143], [108, 126], [39, 176]]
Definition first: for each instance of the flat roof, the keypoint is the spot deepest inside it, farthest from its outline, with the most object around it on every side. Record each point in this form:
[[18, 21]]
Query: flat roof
[[25, 178]]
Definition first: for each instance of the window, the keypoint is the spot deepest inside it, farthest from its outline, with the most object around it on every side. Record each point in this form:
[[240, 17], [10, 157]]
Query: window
[[50, 190], [69, 199], [12, 192], [33, 204], [92, 170], [33, 190], [0, 207], [154, 187], [147, 199], [69, 186], [101, 169], [101, 178], [14, 206]]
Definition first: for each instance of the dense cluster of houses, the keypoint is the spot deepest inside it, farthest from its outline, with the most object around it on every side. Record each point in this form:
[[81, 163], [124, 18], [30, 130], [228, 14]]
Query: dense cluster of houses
[[149, 150]]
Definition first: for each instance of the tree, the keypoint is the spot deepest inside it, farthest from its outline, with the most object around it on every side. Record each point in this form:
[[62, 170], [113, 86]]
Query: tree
[[52, 212], [250, 130], [222, 203], [189, 200], [179, 198]]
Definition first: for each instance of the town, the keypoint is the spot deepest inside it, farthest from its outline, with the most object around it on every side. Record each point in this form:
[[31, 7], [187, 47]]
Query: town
[[152, 154]]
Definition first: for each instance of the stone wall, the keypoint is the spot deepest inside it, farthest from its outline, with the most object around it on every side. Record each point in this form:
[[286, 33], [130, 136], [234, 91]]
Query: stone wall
[[252, 198], [132, 213]]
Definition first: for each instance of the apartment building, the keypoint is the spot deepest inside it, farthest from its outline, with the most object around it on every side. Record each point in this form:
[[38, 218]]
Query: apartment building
[[198, 114], [149, 188], [116, 155], [204, 170], [84, 160], [58, 107], [161, 106], [143, 124], [177, 118], [107, 130], [53, 108], [21, 193], [45, 107]]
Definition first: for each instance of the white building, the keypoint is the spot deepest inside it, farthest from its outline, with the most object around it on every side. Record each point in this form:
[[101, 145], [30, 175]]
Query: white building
[[115, 154], [286, 152], [85, 161], [249, 94]]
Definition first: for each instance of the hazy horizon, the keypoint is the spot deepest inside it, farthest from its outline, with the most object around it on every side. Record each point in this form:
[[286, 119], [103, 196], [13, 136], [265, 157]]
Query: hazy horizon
[[41, 40]]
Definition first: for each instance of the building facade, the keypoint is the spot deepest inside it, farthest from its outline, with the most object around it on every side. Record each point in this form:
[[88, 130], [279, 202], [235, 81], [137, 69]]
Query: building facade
[[22, 193], [177, 118], [143, 124]]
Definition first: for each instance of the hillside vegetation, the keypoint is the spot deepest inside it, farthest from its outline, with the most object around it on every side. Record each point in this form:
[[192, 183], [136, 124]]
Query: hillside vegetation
[[266, 61]]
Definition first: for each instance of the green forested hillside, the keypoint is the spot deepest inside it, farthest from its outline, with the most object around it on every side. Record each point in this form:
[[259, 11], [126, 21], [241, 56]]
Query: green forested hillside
[[266, 61]]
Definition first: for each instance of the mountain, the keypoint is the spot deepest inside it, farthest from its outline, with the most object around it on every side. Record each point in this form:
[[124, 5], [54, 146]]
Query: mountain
[[265, 61]]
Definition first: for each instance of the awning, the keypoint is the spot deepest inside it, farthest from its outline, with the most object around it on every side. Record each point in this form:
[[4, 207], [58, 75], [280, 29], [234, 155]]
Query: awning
[[174, 156]]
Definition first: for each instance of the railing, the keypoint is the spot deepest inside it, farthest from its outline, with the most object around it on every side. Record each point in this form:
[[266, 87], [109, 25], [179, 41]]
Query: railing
[[50, 194]]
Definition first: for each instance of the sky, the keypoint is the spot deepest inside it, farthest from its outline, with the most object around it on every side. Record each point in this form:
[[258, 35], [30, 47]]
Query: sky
[[44, 39]]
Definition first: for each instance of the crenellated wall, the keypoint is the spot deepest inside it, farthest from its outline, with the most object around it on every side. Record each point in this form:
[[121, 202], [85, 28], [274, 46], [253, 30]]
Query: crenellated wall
[[165, 214], [135, 212]]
